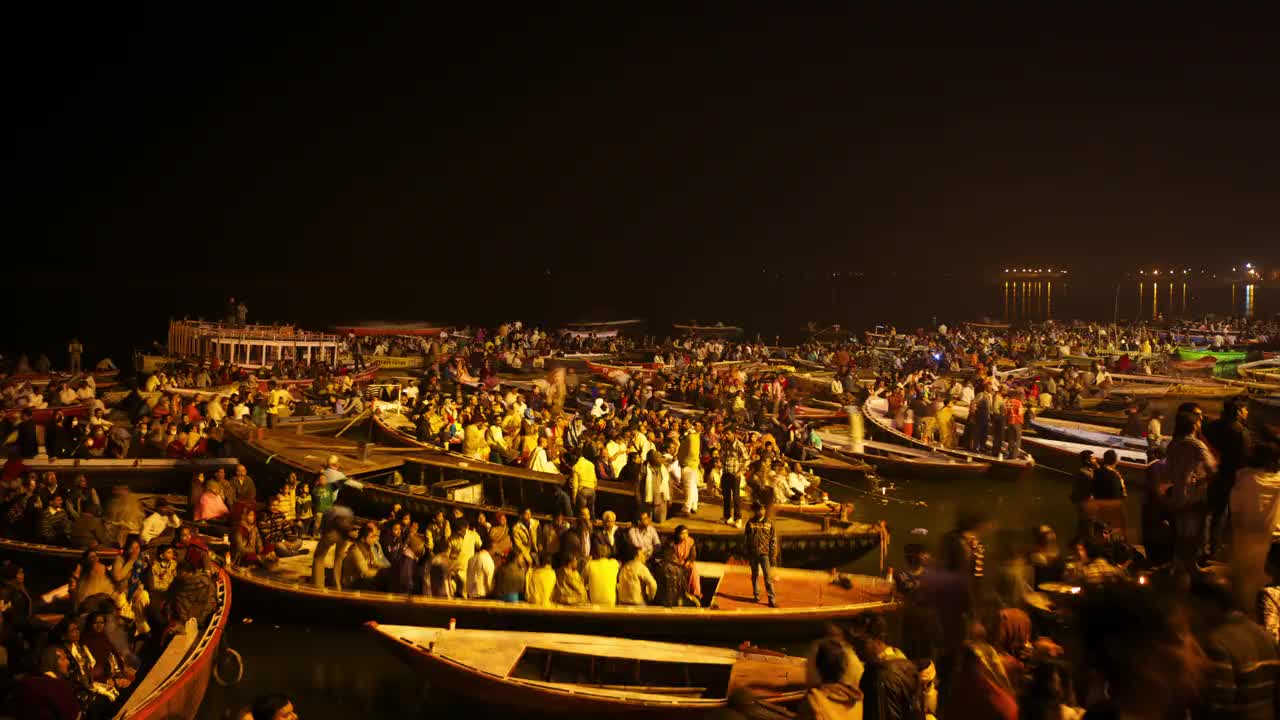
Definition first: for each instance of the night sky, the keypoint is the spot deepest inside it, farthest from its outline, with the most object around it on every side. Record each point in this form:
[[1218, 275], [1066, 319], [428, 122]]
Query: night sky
[[334, 165]]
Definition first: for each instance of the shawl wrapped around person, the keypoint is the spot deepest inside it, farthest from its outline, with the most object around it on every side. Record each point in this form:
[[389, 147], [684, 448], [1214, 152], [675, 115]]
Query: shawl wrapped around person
[[500, 540], [982, 689], [246, 542], [109, 666]]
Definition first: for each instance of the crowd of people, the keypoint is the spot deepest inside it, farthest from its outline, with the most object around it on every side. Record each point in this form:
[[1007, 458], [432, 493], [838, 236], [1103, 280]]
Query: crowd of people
[[1181, 618]]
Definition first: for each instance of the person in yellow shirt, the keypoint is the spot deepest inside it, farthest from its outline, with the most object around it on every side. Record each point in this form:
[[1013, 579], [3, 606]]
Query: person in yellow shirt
[[601, 576], [540, 584], [584, 484]]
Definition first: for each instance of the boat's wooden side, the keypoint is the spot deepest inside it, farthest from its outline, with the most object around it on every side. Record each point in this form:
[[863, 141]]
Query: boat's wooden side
[[1064, 455], [175, 686], [895, 465], [480, 664], [42, 416], [127, 466], [45, 560], [740, 620], [179, 691], [1087, 433], [1193, 353], [1093, 417], [315, 424]]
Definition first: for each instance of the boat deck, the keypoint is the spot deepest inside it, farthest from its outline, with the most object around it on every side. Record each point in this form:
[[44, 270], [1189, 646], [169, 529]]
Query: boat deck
[[792, 589], [313, 451]]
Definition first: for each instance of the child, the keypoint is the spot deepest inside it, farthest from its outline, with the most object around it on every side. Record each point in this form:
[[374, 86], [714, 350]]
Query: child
[[306, 517]]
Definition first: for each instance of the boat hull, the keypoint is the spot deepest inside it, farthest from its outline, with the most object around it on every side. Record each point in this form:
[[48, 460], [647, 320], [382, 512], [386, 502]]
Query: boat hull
[[1068, 461], [999, 469], [1187, 354], [907, 468], [305, 603], [454, 677]]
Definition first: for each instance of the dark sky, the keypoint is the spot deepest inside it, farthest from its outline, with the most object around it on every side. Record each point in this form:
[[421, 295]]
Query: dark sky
[[292, 156]]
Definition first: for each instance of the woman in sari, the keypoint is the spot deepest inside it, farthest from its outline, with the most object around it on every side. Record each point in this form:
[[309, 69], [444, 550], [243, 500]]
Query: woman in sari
[[83, 664], [109, 667], [247, 547], [500, 537], [686, 555]]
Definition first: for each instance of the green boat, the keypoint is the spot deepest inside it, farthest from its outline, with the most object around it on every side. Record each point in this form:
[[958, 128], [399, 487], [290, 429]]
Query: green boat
[[1219, 355]]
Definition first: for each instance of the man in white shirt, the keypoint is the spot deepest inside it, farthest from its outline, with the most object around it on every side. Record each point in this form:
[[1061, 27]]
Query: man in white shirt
[[240, 412], [480, 571], [164, 518], [66, 396]]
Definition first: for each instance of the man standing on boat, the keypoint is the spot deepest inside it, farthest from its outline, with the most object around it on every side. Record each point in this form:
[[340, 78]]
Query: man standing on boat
[[760, 546], [75, 349], [584, 481], [733, 456], [336, 522], [654, 488], [690, 453]]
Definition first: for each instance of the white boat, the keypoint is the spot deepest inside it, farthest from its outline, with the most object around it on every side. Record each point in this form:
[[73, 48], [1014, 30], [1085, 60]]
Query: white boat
[[1064, 455], [577, 675], [1266, 370], [1087, 433]]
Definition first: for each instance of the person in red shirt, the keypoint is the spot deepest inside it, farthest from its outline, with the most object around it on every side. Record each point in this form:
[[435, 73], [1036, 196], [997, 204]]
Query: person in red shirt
[[1014, 416]]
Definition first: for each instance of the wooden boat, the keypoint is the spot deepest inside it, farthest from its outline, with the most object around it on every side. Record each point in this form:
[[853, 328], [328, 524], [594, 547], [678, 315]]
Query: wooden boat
[[42, 416], [45, 560], [101, 378], [299, 384], [1064, 455], [175, 685], [619, 374], [1157, 389], [900, 460], [1265, 369], [584, 675], [127, 466], [1253, 386], [446, 481], [316, 424], [808, 600], [876, 411], [718, 330], [1202, 366], [391, 329], [1093, 417], [225, 390], [1086, 433], [1195, 353], [603, 325]]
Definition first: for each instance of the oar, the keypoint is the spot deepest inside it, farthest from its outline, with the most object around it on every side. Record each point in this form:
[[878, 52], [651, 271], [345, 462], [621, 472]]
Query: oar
[[353, 421]]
